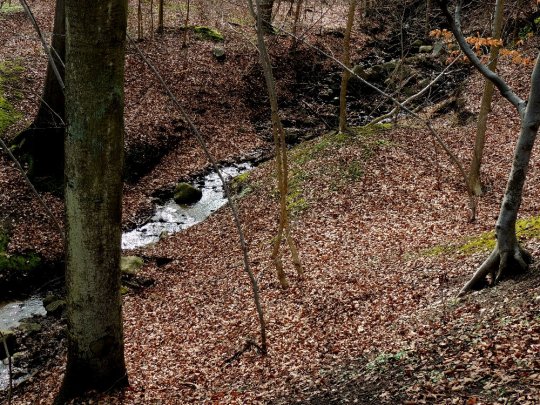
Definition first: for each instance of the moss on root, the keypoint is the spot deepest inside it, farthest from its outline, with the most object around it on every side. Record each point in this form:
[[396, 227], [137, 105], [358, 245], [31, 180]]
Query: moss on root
[[526, 228]]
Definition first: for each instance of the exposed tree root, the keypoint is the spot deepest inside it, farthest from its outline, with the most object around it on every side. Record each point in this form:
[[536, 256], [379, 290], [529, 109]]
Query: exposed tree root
[[499, 265]]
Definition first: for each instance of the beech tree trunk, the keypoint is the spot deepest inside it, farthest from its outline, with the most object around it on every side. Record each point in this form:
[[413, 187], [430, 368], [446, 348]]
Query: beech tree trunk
[[346, 61], [485, 107], [96, 32], [42, 143], [508, 257]]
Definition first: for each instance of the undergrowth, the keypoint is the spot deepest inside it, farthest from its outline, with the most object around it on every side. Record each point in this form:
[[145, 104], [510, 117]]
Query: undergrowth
[[367, 139]]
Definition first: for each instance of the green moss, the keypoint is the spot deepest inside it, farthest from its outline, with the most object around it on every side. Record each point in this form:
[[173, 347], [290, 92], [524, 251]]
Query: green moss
[[208, 33], [526, 228], [15, 262], [241, 185], [14, 7], [366, 138], [9, 74]]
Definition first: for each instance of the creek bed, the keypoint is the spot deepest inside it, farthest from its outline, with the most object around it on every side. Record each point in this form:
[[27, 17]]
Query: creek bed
[[170, 217], [10, 316]]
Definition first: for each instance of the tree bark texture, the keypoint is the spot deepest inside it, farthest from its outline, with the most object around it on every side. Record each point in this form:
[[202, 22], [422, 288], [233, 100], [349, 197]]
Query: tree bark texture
[[508, 256], [96, 32], [160, 16], [485, 107]]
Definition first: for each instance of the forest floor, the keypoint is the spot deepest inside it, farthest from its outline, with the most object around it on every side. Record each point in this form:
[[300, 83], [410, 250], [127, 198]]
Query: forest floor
[[380, 218]]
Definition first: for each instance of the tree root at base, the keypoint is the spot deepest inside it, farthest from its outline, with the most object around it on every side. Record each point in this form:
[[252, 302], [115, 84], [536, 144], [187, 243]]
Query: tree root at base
[[500, 265]]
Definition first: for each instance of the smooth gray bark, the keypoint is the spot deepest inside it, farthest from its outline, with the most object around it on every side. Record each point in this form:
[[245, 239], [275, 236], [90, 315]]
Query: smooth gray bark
[[95, 52], [508, 257]]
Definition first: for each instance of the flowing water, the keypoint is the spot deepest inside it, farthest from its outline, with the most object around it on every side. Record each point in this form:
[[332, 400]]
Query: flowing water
[[170, 217], [10, 316]]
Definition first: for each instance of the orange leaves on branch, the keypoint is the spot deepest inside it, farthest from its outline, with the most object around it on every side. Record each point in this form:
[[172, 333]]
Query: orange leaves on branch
[[479, 44]]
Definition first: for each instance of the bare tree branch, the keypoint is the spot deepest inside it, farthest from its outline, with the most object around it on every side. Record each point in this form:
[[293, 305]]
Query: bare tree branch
[[502, 86]]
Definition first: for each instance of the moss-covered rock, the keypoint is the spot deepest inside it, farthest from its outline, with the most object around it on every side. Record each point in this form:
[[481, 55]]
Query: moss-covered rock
[[185, 193], [15, 262], [131, 264], [219, 53], [56, 308], [30, 327], [208, 33]]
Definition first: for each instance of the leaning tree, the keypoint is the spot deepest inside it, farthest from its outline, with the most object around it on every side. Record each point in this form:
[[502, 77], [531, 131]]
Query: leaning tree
[[95, 52], [508, 257], [42, 143]]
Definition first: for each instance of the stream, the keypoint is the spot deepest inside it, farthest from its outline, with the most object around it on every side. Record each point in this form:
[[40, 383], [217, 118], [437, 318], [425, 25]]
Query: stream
[[10, 316], [168, 218]]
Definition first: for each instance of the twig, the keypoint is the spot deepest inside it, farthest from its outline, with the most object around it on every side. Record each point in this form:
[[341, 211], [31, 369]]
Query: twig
[[415, 96], [236, 217], [502, 86], [8, 355]]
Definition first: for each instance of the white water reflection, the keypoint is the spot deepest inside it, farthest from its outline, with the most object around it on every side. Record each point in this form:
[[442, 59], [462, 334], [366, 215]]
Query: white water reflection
[[171, 217]]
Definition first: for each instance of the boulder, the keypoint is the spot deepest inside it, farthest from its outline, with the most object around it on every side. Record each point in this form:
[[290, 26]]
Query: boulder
[[8, 337], [131, 264], [50, 298], [56, 308], [185, 193], [425, 49], [219, 53]]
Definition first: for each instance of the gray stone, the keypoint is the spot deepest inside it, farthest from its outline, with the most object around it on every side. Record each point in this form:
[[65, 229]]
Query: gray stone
[[49, 299], [219, 53], [425, 49], [56, 308], [131, 264], [438, 48], [185, 193]]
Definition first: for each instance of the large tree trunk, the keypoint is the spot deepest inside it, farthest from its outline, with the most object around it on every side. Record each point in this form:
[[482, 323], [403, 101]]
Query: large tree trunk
[[508, 257], [42, 144], [96, 32], [485, 107]]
